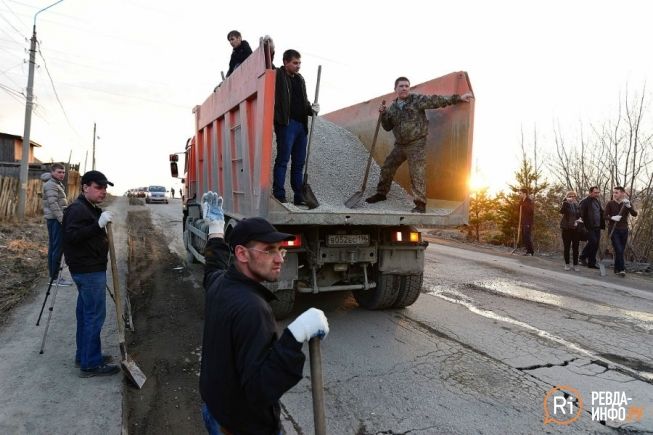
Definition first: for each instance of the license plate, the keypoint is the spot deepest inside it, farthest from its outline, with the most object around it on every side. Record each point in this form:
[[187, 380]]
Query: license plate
[[348, 240]]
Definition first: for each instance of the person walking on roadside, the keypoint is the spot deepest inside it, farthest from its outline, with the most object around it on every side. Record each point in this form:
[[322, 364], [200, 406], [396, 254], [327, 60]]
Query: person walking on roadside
[[527, 218], [86, 246], [54, 204], [241, 50], [570, 212], [291, 112], [172, 192], [406, 117], [246, 367], [616, 213], [591, 213]]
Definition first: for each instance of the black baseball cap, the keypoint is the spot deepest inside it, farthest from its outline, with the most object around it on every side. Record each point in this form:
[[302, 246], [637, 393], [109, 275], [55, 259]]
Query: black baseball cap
[[255, 229], [97, 177]]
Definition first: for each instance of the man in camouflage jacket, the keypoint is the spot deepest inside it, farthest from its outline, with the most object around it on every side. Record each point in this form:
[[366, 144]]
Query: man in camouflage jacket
[[406, 117]]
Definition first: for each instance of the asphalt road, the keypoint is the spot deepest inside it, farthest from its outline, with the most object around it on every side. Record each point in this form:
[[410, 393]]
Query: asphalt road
[[478, 352], [490, 336]]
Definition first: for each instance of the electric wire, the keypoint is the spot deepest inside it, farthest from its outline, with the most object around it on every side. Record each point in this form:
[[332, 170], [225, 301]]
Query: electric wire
[[56, 94], [12, 26], [13, 13]]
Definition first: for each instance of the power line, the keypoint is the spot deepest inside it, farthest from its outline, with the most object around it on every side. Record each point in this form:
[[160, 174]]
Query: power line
[[13, 13], [56, 94], [12, 26]]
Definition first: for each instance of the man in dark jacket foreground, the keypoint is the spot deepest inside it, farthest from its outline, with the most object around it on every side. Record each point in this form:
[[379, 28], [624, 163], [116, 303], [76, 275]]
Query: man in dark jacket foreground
[[591, 214], [86, 246], [246, 367]]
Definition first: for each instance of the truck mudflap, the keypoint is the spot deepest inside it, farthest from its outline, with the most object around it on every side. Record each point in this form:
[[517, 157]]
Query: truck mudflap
[[402, 259]]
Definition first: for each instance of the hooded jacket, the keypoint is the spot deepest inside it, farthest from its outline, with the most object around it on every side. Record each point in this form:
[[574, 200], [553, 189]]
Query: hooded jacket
[[54, 197], [282, 99]]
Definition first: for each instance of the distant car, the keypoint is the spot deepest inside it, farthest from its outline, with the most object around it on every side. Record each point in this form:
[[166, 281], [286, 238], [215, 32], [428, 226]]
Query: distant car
[[156, 194]]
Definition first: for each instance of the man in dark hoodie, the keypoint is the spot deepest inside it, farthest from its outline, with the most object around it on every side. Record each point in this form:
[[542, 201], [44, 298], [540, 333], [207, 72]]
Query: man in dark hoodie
[[241, 51], [591, 213], [86, 246]]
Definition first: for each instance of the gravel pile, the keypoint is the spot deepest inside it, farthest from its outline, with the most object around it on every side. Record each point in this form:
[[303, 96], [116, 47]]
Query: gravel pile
[[335, 172]]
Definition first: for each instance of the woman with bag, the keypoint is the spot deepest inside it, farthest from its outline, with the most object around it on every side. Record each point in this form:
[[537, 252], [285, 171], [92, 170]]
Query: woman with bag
[[569, 224]]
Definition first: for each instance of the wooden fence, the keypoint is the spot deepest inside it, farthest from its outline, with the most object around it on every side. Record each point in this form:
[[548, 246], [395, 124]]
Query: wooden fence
[[33, 203]]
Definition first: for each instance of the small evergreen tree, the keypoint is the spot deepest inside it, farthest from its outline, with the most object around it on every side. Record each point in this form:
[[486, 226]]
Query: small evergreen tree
[[482, 211]]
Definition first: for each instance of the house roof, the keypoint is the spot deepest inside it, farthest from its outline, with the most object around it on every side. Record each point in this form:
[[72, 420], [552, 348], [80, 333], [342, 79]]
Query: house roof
[[31, 142]]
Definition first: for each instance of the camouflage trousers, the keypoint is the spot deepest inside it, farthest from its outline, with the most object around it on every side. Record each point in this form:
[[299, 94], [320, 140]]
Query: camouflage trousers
[[416, 156]]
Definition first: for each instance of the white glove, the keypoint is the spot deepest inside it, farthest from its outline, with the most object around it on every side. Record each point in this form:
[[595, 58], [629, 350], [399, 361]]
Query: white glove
[[616, 218], [316, 108], [311, 323], [104, 219], [626, 202], [212, 212], [579, 220]]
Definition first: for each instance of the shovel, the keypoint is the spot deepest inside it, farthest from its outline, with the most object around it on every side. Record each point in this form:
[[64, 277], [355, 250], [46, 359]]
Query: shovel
[[307, 192], [317, 386], [128, 365], [356, 198]]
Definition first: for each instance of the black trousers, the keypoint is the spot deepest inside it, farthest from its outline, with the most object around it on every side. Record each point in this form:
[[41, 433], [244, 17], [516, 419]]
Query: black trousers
[[570, 240], [527, 238]]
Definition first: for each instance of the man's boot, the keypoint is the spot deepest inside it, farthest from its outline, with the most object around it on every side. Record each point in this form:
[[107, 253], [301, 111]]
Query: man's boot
[[420, 207], [376, 198]]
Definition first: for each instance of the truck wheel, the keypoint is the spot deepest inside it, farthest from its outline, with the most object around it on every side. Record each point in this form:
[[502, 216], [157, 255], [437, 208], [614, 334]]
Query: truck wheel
[[382, 296], [284, 305], [409, 289]]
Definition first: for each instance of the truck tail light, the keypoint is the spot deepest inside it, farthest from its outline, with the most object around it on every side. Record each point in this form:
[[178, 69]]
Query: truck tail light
[[297, 243], [399, 236]]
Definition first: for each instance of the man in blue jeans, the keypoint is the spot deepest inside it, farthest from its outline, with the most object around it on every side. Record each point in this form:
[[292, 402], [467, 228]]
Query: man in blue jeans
[[54, 203], [291, 112], [86, 247], [616, 214]]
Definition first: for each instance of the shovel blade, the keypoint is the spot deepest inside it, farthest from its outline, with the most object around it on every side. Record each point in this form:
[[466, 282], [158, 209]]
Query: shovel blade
[[133, 372], [309, 197], [354, 200]]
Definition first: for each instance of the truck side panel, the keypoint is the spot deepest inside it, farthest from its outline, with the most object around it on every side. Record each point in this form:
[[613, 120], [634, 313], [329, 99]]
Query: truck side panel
[[233, 148]]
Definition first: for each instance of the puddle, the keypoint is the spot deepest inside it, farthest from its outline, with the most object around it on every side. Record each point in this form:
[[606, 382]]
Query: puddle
[[454, 296]]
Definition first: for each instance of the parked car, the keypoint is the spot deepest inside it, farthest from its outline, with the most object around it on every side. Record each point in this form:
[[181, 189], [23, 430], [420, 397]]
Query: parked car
[[156, 194]]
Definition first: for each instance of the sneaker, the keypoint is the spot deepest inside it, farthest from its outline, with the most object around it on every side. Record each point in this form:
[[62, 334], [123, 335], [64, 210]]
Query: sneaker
[[622, 273], [419, 208], [375, 198], [593, 266], [281, 200], [63, 282], [567, 267], [103, 370], [583, 261], [527, 254], [576, 269], [299, 202], [106, 359]]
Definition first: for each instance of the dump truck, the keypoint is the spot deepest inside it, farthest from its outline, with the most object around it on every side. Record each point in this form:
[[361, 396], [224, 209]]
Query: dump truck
[[376, 251]]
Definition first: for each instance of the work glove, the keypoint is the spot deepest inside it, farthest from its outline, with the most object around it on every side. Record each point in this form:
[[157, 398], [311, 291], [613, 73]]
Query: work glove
[[626, 203], [212, 212], [616, 218], [316, 108], [311, 323], [104, 219]]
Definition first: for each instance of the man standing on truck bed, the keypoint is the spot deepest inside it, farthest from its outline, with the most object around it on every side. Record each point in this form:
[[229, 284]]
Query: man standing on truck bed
[[246, 367], [291, 111], [406, 117], [241, 50]]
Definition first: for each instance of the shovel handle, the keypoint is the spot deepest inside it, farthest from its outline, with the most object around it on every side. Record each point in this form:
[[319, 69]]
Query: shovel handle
[[116, 284], [310, 133], [317, 387], [369, 159]]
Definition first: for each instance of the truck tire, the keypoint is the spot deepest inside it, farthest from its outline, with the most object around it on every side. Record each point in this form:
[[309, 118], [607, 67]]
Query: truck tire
[[284, 303], [382, 296], [410, 286]]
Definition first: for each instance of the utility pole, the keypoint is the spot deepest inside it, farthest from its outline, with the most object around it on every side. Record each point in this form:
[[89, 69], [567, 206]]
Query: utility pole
[[29, 102], [93, 167]]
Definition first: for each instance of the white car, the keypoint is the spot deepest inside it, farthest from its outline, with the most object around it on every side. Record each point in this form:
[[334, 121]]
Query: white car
[[156, 194]]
